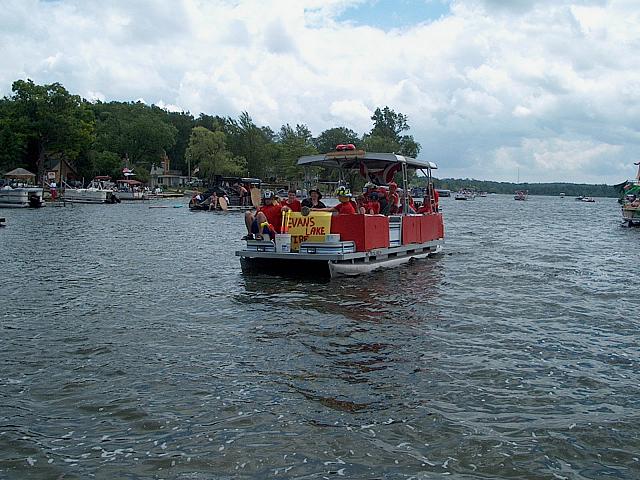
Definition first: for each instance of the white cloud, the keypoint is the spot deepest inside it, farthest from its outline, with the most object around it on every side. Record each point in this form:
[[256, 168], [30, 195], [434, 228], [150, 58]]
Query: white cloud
[[547, 86]]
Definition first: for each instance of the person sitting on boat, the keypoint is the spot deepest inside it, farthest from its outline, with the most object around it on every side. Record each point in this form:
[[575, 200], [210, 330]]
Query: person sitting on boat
[[371, 201], [213, 201], [291, 203], [313, 201], [344, 206], [270, 213], [412, 205], [195, 200], [427, 206], [394, 198]]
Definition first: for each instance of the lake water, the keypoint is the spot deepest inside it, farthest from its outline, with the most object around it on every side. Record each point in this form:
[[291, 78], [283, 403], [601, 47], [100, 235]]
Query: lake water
[[133, 347]]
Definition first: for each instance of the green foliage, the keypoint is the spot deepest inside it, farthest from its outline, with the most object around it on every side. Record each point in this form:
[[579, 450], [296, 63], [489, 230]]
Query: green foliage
[[12, 138], [183, 123], [207, 150], [107, 163], [327, 140], [385, 136], [135, 131], [293, 143], [47, 120], [553, 189]]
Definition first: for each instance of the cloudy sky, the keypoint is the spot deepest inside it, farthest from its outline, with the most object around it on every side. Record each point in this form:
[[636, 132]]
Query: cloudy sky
[[548, 90]]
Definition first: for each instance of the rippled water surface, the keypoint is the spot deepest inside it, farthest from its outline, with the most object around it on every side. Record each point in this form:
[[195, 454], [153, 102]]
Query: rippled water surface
[[133, 347]]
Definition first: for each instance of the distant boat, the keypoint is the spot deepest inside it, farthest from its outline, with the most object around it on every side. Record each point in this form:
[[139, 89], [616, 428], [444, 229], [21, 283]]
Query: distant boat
[[521, 195], [100, 190], [585, 199], [21, 197], [562, 195], [20, 192], [465, 195], [443, 192]]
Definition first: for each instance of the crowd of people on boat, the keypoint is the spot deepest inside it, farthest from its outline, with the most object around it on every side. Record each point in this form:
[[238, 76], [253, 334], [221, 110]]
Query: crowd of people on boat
[[374, 200]]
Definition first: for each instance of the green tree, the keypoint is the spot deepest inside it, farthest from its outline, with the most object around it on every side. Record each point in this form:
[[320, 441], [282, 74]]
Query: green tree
[[135, 131], [293, 143], [207, 150], [385, 136], [183, 123], [12, 137], [329, 139], [50, 121], [106, 163], [253, 143]]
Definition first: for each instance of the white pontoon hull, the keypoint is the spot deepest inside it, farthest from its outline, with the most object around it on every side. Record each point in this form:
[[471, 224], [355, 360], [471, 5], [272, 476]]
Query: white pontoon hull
[[130, 195], [21, 197], [348, 264], [86, 195]]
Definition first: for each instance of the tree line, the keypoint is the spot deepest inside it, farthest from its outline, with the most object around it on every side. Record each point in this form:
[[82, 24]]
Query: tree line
[[43, 124], [553, 189]]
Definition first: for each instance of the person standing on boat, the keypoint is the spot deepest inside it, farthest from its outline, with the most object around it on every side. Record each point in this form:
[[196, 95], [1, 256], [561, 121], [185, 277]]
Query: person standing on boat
[[344, 206], [436, 198], [266, 220], [313, 201], [213, 201], [54, 190], [292, 202]]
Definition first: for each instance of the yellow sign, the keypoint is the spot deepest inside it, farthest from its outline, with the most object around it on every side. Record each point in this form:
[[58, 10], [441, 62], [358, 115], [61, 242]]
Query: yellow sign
[[311, 228]]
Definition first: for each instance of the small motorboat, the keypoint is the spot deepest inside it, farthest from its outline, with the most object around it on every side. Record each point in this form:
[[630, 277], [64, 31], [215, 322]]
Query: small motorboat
[[100, 190], [521, 195], [3, 222]]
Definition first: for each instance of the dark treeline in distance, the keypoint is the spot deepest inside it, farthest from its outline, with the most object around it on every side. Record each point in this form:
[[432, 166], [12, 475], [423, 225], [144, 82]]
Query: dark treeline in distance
[[41, 125], [554, 189]]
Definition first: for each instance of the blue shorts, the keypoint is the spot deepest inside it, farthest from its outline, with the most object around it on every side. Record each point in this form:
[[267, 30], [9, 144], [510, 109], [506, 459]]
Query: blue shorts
[[255, 228]]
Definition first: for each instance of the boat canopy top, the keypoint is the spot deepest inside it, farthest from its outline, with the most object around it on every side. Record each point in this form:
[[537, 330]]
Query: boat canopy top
[[354, 159]]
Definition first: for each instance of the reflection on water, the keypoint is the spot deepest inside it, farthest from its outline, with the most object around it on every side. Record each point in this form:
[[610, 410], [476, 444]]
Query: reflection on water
[[142, 351]]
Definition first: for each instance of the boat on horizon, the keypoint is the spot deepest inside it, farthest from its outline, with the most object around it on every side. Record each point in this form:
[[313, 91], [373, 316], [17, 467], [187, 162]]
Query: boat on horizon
[[465, 194], [521, 195], [325, 245]]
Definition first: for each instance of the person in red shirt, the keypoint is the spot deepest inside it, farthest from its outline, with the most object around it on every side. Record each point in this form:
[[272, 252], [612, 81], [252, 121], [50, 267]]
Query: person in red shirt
[[394, 198], [426, 205], [371, 205], [436, 198], [291, 203], [344, 206], [266, 220]]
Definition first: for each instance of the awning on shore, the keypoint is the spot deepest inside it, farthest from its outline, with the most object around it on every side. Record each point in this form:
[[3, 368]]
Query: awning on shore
[[20, 174]]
